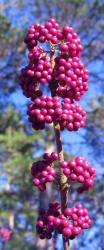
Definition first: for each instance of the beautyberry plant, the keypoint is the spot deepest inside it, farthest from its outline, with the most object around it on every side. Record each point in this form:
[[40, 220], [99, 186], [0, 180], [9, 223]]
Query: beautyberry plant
[[4, 234], [57, 65]]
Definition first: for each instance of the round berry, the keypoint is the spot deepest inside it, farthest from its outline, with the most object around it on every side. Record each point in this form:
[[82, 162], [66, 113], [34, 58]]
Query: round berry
[[67, 232], [68, 212]]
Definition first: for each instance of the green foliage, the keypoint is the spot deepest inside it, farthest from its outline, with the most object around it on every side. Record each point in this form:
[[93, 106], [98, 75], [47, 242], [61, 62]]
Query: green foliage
[[17, 152]]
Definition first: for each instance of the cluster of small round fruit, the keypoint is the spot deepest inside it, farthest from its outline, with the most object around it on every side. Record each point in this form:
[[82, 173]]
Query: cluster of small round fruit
[[47, 109], [79, 170], [44, 110], [42, 171], [4, 234], [68, 69], [45, 226], [73, 116], [50, 32], [70, 73], [38, 70], [78, 216], [35, 52], [69, 224]]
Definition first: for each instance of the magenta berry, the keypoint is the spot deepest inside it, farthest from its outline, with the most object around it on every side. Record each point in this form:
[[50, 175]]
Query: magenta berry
[[68, 212], [67, 232], [64, 164], [66, 171], [57, 221], [54, 156], [36, 182]]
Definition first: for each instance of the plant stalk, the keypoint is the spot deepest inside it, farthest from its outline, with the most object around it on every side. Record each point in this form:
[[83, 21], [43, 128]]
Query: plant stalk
[[63, 179], [63, 182]]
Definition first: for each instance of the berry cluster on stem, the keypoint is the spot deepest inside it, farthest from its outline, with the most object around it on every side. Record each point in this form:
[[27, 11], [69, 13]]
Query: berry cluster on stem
[[79, 170], [70, 223], [43, 172], [67, 80]]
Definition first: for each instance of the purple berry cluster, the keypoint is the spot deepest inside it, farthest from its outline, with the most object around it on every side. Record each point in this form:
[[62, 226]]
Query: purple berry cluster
[[79, 218], [38, 70], [35, 52], [45, 221], [4, 234], [79, 170], [50, 32], [73, 116], [47, 109], [43, 172], [70, 223], [70, 73], [68, 70]]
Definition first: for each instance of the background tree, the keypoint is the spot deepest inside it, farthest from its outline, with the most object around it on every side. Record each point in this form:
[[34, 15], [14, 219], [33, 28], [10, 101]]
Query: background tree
[[18, 198]]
